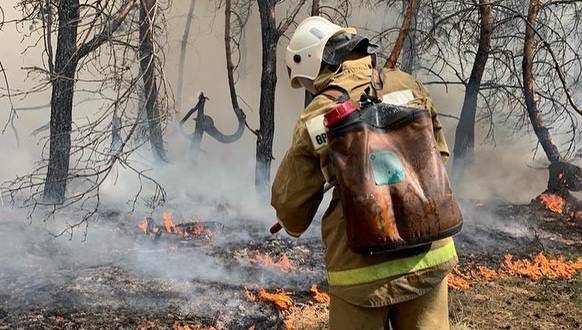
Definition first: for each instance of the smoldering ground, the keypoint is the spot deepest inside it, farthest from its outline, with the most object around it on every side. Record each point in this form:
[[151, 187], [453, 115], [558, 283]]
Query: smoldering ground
[[115, 266]]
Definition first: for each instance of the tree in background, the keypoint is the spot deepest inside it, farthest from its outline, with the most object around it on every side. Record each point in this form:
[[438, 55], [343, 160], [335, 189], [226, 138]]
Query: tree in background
[[271, 32], [148, 14], [97, 55], [62, 73], [465, 133]]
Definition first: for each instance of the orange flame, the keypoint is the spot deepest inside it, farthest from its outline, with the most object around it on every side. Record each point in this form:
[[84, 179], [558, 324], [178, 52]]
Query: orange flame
[[251, 296], [279, 297], [169, 225], [282, 264], [320, 297], [540, 266], [552, 202], [143, 225], [457, 280], [288, 324]]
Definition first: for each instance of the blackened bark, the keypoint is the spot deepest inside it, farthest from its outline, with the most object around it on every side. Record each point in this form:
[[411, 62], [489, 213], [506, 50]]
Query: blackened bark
[[264, 151], [465, 132], [199, 128], [240, 115], [147, 64], [183, 47], [63, 85], [314, 12], [409, 52], [535, 116], [315, 8]]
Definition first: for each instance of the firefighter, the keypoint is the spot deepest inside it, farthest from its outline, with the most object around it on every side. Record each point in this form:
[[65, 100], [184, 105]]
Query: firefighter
[[404, 289]]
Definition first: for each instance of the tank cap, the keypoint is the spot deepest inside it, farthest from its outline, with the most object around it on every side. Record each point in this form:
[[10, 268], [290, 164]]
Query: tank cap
[[338, 112]]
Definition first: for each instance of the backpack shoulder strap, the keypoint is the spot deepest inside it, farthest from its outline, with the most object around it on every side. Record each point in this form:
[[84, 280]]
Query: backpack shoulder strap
[[335, 93], [376, 81]]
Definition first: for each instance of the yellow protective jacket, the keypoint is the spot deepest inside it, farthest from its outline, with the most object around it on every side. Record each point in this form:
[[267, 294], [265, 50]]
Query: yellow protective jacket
[[365, 280]]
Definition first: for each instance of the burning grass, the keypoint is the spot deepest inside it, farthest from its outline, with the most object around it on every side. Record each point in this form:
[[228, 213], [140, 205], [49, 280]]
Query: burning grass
[[185, 230], [320, 297], [568, 206], [279, 297], [283, 264], [537, 267]]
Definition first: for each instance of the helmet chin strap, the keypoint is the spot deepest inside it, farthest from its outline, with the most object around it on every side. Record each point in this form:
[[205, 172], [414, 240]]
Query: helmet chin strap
[[308, 85]]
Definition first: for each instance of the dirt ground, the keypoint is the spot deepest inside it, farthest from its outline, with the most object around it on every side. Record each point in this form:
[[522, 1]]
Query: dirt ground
[[170, 295]]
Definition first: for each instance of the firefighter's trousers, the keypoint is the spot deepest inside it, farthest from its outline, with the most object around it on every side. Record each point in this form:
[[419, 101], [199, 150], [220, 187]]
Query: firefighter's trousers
[[427, 312]]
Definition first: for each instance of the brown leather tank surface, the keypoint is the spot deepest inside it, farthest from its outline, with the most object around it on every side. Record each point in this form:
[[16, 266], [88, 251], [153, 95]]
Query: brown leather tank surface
[[418, 209]]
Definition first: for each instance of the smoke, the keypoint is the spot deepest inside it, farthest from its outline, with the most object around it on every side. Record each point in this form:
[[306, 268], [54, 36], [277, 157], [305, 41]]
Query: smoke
[[220, 188]]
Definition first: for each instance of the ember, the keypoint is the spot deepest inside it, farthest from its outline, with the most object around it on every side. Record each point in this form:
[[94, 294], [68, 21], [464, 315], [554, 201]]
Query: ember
[[320, 297], [552, 202], [186, 326], [279, 297]]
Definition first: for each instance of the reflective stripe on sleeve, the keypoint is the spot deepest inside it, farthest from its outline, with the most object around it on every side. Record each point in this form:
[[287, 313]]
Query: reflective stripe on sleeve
[[393, 267]]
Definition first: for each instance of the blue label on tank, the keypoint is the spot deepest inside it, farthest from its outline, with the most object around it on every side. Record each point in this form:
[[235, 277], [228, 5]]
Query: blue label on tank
[[386, 167]]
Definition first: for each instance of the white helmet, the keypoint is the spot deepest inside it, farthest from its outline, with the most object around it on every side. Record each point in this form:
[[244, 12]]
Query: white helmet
[[305, 49]]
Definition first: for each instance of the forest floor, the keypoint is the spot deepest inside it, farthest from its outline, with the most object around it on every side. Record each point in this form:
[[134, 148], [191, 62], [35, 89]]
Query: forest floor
[[219, 279]]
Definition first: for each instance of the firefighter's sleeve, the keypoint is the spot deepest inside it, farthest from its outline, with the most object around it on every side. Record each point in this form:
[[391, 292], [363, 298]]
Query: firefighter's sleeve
[[298, 185]]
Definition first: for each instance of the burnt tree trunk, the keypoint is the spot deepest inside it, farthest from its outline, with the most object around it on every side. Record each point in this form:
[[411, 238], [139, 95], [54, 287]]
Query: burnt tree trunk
[[264, 151], [147, 15], [409, 52], [63, 85], [563, 177], [465, 133], [404, 28], [314, 12], [199, 128], [535, 115], [183, 47]]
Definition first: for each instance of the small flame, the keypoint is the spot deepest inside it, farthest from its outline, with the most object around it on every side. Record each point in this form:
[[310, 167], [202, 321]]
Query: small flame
[[536, 267], [486, 272], [288, 324], [169, 225], [280, 298], [540, 266], [457, 280], [320, 297], [250, 295], [282, 264], [552, 202], [143, 225]]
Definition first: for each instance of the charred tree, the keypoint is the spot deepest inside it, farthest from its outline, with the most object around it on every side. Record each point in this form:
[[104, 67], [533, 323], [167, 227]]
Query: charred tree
[[270, 35], [465, 133], [563, 177], [404, 29], [183, 46], [63, 85], [147, 15], [315, 10], [68, 55], [205, 123], [409, 51], [270, 39]]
